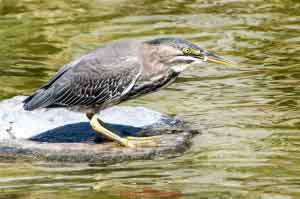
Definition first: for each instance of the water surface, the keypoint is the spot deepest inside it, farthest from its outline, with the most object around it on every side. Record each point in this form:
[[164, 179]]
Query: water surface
[[249, 114]]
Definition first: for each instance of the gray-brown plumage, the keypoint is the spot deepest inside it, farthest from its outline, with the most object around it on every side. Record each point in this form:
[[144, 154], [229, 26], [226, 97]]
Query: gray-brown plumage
[[116, 72], [92, 82]]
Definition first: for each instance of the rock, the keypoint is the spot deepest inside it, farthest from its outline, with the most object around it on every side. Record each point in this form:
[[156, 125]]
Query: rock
[[62, 135]]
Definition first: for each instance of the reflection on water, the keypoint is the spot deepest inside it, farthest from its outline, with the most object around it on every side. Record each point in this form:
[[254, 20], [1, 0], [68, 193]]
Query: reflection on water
[[248, 114]]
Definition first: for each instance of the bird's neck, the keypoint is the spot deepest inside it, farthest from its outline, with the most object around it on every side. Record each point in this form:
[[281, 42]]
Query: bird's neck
[[150, 60]]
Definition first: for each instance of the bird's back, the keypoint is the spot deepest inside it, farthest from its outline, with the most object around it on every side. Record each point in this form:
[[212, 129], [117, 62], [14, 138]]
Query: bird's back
[[95, 80]]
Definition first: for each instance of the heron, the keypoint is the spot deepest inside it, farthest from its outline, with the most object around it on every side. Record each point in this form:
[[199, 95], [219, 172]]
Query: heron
[[117, 72]]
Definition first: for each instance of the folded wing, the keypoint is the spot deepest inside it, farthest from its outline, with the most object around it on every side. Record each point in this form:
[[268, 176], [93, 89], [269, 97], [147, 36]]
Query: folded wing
[[86, 82]]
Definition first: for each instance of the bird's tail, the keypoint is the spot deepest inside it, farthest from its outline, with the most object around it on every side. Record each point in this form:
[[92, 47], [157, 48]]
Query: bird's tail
[[40, 99]]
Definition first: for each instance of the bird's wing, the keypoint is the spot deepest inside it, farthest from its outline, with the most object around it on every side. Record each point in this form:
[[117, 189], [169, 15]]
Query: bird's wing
[[88, 87], [61, 72], [87, 83]]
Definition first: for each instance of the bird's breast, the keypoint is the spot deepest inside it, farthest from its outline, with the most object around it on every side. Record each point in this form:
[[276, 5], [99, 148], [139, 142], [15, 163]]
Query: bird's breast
[[152, 84]]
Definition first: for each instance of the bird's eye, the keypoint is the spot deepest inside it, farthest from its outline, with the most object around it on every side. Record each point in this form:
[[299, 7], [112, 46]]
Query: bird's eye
[[186, 50]]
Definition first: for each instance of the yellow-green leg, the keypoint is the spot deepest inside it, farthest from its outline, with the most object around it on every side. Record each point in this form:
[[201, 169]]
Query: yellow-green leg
[[98, 126]]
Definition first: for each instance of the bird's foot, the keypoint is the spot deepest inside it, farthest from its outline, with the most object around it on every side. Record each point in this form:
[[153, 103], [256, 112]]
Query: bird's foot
[[137, 142], [133, 142]]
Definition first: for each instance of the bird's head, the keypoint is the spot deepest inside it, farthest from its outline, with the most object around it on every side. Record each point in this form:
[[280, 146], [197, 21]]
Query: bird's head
[[178, 53]]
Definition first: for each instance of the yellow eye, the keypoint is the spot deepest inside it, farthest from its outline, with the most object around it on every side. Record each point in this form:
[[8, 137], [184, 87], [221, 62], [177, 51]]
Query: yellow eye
[[186, 50]]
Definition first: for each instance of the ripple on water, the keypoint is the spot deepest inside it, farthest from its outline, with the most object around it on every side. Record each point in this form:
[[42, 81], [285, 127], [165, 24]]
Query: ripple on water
[[248, 113]]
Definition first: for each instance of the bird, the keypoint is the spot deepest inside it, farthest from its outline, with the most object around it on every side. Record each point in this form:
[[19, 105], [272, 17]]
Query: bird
[[116, 72]]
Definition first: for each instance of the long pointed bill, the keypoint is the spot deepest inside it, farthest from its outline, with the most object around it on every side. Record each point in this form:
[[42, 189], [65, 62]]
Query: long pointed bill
[[217, 60]]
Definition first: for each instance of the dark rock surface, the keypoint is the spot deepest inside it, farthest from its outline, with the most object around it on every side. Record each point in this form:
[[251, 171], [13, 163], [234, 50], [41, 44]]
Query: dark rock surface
[[62, 135]]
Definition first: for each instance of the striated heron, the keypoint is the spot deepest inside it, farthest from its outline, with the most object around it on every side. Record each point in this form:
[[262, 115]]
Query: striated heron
[[115, 73]]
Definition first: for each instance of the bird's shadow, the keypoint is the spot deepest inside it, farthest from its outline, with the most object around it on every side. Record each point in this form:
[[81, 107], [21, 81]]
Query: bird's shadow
[[82, 132]]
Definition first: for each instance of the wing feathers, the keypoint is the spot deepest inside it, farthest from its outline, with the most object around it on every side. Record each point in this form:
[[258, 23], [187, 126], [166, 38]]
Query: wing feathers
[[85, 85], [41, 98]]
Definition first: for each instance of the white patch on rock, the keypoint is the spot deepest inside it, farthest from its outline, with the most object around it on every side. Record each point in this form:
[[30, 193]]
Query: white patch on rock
[[18, 123]]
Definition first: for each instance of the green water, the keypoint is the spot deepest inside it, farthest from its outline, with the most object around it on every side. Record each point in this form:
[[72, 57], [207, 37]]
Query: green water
[[249, 114]]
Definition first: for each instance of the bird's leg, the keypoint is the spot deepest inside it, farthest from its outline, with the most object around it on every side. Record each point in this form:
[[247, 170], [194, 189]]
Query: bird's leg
[[90, 115], [98, 126]]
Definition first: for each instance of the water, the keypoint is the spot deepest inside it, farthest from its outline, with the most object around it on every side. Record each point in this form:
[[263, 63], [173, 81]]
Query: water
[[249, 114]]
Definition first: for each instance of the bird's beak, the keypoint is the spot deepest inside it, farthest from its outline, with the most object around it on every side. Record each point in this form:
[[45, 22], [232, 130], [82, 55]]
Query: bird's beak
[[213, 58], [217, 60]]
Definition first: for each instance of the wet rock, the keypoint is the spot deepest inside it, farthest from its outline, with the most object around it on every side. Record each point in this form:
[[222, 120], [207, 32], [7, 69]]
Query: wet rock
[[62, 135]]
